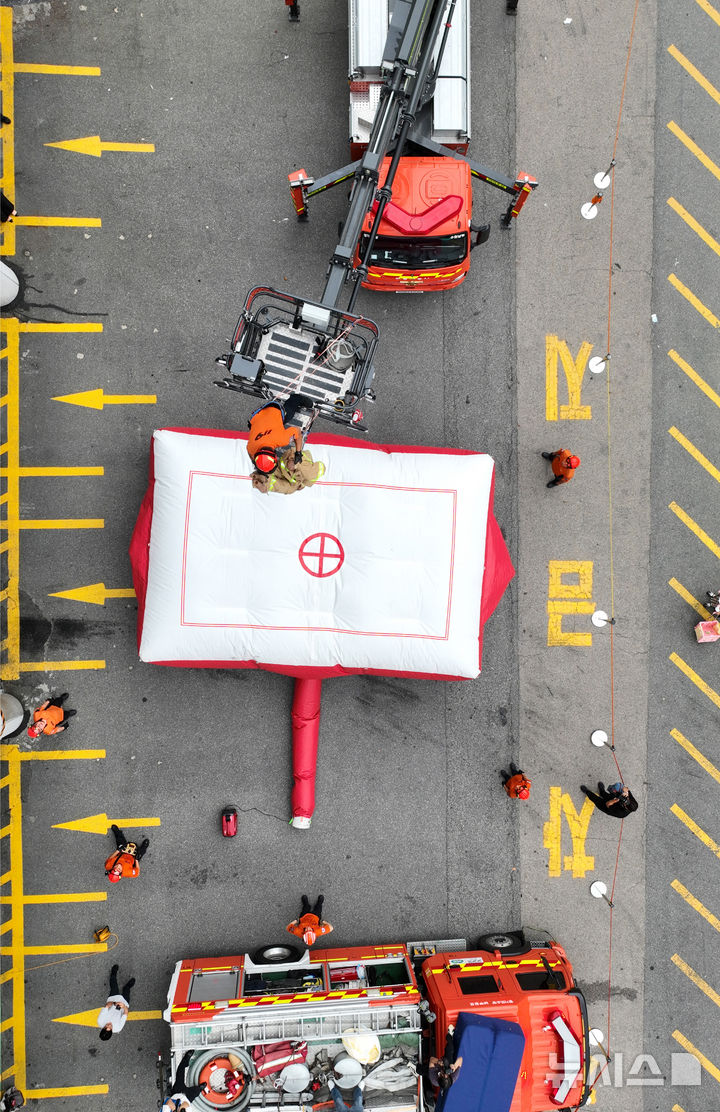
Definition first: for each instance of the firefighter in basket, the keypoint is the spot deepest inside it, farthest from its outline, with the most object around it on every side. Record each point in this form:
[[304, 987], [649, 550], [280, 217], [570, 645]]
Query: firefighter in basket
[[276, 449]]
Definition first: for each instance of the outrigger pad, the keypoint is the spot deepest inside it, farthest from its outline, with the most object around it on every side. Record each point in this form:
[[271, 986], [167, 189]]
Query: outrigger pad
[[390, 564]]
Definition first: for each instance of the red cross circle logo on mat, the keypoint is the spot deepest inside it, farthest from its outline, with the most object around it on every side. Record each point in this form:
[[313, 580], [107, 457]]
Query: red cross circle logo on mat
[[321, 555]]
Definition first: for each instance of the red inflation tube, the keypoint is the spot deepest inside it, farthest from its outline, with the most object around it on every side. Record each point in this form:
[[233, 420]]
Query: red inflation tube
[[305, 733]]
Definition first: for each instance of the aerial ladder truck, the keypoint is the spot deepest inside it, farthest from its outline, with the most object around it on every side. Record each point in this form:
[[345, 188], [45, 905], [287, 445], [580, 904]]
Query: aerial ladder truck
[[293, 345]]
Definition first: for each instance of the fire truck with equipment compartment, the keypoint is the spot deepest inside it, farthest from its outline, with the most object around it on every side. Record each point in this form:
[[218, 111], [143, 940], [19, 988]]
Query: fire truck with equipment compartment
[[277, 1024], [424, 239], [408, 218]]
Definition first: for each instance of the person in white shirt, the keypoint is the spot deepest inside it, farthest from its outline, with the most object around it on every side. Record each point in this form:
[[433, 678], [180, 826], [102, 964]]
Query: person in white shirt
[[113, 1017]]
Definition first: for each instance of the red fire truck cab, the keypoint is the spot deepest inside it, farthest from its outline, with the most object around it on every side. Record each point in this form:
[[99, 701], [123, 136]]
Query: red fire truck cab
[[424, 239], [267, 1028]]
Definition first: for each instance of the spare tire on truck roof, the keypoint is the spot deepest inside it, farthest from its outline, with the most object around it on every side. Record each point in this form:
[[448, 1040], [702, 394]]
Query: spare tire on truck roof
[[277, 953], [510, 943]]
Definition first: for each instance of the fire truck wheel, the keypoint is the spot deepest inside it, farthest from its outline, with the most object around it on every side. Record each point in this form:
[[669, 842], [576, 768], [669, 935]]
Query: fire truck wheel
[[512, 942], [280, 953]]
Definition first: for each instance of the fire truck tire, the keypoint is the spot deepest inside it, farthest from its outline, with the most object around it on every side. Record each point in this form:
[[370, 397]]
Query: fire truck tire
[[278, 953], [206, 1066], [507, 942]]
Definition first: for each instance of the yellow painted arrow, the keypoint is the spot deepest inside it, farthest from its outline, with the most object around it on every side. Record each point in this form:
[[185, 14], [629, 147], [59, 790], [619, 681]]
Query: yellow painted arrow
[[89, 1018], [95, 399], [92, 144], [95, 593], [100, 824]]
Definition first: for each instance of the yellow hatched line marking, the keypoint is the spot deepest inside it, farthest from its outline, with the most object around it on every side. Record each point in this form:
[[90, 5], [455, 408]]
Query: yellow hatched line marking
[[695, 829], [7, 1024], [57, 523], [691, 222], [709, 10], [60, 897], [694, 72], [53, 472], [696, 679], [58, 221], [71, 1091], [696, 754], [69, 948], [694, 300], [7, 134], [704, 1062], [4, 978], [695, 528], [695, 377], [690, 600], [44, 326], [695, 453], [696, 905], [11, 643], [59, 666], [696, 979], [7, 1073], [694, 149], [6, 926], [16, 950], [12, 753], [68, 71], [6, 876]]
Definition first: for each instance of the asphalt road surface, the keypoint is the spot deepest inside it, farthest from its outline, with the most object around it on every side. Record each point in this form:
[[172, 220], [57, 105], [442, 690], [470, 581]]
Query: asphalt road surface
[[411, 836]]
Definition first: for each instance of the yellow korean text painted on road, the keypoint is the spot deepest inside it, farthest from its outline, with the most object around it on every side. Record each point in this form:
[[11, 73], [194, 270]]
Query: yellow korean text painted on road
[[695, 678], [557, 351], [698, 607], [100, 824], [695, 528], [96, 399], [709, 10], [695, 377], [693, 827], [578, 862], [695, 904], [696, 754], [695, 453], [565, 598], [694, 300], [694, 149], [694, 72], [94, 145], [12, 524], [696, 979], [17, 899], [705, 1062], [691, 222]]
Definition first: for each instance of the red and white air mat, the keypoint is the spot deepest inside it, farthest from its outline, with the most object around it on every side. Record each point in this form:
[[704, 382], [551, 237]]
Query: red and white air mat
[[390, 565]]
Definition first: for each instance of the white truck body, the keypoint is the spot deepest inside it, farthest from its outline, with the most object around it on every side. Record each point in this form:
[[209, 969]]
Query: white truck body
[[368, 22]]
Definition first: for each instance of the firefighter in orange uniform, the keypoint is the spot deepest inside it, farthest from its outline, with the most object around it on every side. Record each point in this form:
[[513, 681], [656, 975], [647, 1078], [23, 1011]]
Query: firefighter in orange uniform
[[515, 782], [310, 925], [269, 434], [564, 465], [125, 861]]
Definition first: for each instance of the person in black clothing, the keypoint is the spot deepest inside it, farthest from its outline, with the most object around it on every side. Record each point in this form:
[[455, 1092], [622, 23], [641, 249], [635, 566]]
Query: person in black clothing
[[441, 1071], [618, 803], [182, 1095]]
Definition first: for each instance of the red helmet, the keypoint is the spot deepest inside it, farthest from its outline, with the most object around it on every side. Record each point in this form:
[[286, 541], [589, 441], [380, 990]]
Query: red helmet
[[113, 877], [574, 461], [523, 793], [33, 731], [266, 460], [309, 936]]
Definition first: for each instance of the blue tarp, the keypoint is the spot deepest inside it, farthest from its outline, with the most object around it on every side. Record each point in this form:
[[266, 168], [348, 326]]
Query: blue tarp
[[491, 1050]]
